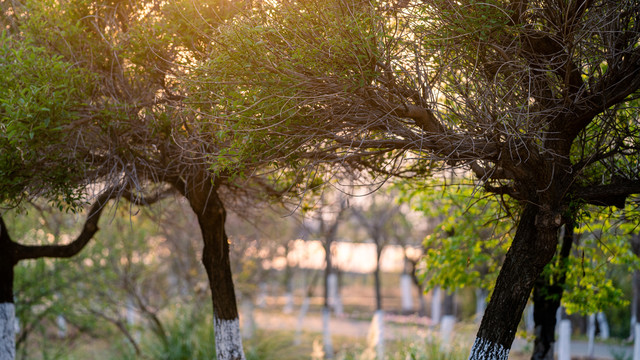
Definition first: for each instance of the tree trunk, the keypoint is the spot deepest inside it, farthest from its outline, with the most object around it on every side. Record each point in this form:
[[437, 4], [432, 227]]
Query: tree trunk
[[327, 343], [448, 320], [635, 306], [215, 257], [564, 343], [436, 305], [7, 307], [377, 282], [211, 215], [533, 247], [406, 296]]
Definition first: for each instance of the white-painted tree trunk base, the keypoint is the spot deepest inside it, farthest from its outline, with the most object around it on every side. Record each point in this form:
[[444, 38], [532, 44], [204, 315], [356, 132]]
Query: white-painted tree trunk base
[[248, 319], [604, 326], [327, 343], [636, 341], [591, 334], [436, 305], [288, 303], [304, 308], [228, 340], [486, 350], [332, 291], [564, 340], [7, 331], [133, 319], [405, 290], [375, 338], [338, 307], [446, 331]]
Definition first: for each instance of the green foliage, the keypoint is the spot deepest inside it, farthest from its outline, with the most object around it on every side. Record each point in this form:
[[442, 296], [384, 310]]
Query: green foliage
[[249, 98], [89, 290], [38, 98], [189, 337], [602, 248], [467, 247]]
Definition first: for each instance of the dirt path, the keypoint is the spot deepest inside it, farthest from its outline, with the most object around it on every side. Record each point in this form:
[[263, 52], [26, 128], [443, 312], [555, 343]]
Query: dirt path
[[413, 328]]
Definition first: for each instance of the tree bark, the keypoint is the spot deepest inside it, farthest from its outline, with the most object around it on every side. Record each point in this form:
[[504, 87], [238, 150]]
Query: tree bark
[[201, 192], [7, 308], [533, 247]]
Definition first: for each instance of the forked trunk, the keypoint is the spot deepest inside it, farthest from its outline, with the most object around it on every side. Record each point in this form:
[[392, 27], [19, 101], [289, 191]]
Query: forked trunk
[[533, 247]]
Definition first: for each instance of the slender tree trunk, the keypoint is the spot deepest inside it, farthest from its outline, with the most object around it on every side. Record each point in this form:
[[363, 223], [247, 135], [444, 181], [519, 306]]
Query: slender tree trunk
[[327, 344], [288, 283], [436, 305], [448, 320], [635, 246], [377, 282], [406, 295], [211, 214], [7, 307], [215, 257], [533, 247]]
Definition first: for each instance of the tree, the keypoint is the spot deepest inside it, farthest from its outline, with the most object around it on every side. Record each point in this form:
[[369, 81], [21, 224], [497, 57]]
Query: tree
[[120, 117], [534, 97], [14, 252], [380, 219], [327, 214]]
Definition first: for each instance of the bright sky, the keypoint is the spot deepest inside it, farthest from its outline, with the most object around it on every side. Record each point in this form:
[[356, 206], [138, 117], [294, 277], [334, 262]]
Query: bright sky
[[351, 257]]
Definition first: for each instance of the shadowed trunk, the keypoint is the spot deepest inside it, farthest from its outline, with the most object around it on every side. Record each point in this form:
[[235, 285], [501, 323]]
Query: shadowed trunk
[[7, 308], [376, 276], [533, 247], [209, 209], [547, 295], [326, 334]]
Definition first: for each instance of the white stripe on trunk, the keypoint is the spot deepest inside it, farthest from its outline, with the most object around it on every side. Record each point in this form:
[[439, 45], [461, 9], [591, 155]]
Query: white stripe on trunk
[[405, 290], [228, 339], [486, 350], [446, 331], [327, 344], [7, 331], [564, 340], [636, 342]]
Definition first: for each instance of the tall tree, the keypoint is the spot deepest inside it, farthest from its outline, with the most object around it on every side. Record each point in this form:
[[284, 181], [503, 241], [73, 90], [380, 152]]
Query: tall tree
[[534, 97], [120, 116]]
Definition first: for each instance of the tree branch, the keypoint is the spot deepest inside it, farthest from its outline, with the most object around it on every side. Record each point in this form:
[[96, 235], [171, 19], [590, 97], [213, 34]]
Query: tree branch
[[614, 194], [89, 229]]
